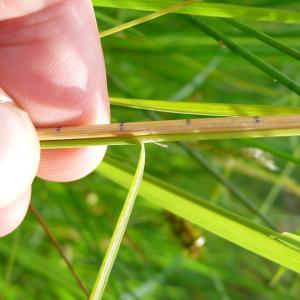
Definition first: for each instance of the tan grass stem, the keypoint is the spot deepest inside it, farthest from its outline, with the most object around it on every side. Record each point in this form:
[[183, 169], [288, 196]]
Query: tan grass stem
[[169, 130]]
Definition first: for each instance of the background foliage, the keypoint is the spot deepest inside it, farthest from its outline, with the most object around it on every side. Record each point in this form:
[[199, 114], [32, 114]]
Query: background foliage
[[171, 58]]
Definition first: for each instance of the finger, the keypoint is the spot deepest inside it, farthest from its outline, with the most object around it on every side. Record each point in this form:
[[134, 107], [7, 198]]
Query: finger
[[59, 79], [16, 8], [12, 216], [19, 153]]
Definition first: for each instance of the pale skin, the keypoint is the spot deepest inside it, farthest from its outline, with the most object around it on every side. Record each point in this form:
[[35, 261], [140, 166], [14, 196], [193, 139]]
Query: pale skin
[[51, 65]]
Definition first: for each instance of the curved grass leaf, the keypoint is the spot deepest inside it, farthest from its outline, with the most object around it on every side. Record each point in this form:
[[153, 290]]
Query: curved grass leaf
[[119, 231], [216, 220], [208, 9], [204, 109]]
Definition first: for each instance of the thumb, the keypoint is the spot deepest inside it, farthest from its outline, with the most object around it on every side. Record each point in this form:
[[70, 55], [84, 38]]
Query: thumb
[[19, 159]]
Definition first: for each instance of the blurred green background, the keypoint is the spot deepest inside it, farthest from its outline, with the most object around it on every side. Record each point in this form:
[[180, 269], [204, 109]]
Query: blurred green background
[[169, 58]]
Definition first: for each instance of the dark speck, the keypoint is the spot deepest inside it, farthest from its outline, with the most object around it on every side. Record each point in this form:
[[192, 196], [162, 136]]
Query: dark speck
[[122, 126], [58, 129], [188, 121], [257, 119]]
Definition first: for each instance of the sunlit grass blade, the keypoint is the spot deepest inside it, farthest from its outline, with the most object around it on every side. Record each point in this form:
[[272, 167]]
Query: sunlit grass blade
[[170, 130], [216, 220], [265, 38], [147, 18], [208, 9], [119, 231], [249, 56], [204, 108]]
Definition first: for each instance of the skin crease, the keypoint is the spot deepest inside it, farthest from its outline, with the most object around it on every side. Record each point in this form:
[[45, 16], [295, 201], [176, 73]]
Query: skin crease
[[51, 64]]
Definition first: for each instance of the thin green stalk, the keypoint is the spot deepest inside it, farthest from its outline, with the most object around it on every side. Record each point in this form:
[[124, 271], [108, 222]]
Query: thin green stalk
[[265, 38], [253, 59], [119, 231], [152, 16]]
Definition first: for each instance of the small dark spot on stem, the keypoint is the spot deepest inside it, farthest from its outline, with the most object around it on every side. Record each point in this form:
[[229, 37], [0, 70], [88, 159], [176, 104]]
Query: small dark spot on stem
[[188, 121], [257, 119], [58, 129], [122, 126]]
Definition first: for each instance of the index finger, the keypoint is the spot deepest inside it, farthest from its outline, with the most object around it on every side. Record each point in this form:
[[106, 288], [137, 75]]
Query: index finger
[[52, 64]]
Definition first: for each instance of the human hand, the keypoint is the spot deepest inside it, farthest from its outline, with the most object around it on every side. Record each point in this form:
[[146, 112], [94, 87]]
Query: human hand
[[51, 65]]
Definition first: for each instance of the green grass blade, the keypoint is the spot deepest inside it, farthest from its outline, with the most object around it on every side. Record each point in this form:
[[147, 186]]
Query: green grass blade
[[204, 109], [265, 38], [216, 220], [208, 9], [119, 231], [249, 56]]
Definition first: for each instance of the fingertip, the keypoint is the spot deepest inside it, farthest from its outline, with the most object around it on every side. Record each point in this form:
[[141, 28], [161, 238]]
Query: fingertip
[[69, 164], [13, 215]]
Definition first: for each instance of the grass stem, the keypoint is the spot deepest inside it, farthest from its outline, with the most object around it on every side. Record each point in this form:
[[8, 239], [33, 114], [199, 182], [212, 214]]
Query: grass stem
[[147, 18], [169, 130]]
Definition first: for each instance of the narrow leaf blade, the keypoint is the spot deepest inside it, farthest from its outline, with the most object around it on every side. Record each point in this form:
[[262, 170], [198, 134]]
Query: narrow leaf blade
[[223, 223], [119, 231]]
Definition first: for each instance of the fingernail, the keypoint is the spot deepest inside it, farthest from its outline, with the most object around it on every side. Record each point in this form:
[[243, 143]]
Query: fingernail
[[5, 98]]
